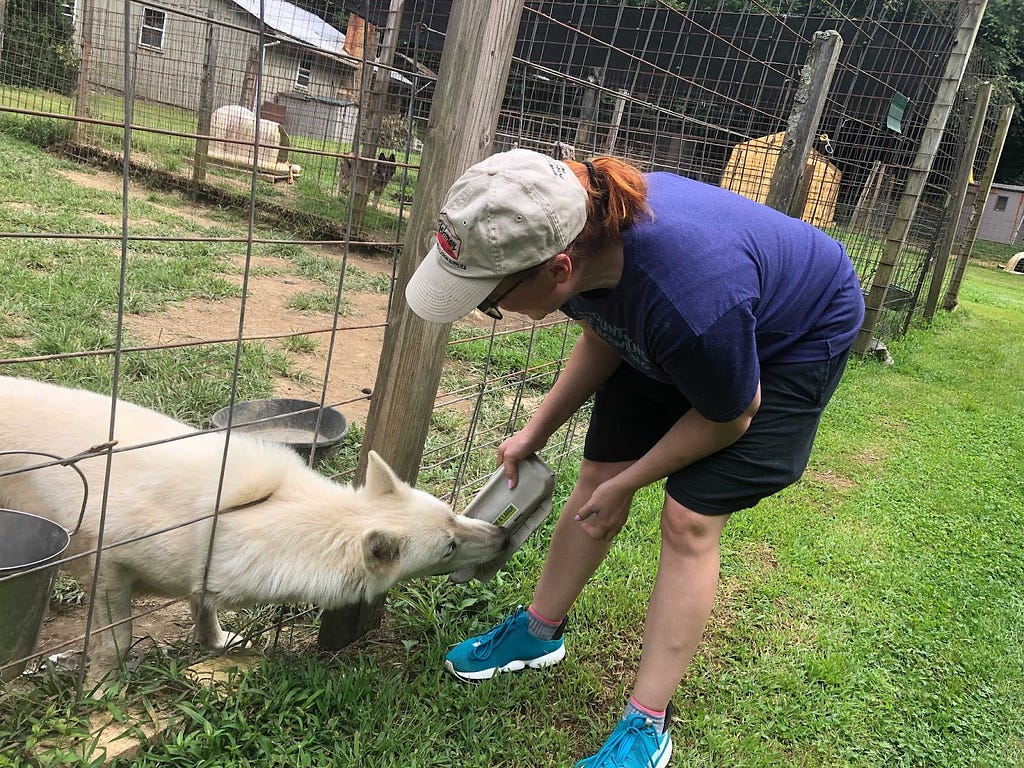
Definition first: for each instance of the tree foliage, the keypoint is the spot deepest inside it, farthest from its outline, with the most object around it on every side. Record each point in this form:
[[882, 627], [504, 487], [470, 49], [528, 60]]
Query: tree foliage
[[38, 46], [1001, 46]]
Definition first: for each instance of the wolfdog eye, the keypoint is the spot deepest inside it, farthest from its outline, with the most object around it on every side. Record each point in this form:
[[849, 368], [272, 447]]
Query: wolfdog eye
[[452, 546]]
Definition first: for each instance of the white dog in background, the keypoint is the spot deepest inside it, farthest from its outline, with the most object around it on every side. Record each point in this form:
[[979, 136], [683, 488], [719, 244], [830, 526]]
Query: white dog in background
[[285, 533]]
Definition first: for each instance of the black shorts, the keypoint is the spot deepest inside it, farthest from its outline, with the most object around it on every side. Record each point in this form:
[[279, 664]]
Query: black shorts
[[632, 412]]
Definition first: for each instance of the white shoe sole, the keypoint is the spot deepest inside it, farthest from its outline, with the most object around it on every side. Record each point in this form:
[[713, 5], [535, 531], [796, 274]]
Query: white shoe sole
[[513, 666], [665, 756]]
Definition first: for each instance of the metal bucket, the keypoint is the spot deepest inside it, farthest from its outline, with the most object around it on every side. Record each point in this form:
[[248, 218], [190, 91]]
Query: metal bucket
[[30, 551], [27, 544]]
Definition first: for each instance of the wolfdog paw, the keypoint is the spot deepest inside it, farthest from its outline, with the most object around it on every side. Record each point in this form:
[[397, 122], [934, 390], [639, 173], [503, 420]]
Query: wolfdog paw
[[229, 641]]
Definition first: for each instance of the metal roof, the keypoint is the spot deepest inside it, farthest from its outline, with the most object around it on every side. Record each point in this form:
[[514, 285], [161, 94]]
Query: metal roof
[[290, 20]]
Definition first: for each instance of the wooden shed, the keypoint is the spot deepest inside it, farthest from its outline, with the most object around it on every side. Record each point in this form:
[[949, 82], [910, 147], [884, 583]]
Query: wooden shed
[[1002, 219], [751, 165]]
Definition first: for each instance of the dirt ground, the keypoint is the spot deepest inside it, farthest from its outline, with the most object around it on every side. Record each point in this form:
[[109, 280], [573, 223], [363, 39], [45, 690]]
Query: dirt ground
[[359, 333]]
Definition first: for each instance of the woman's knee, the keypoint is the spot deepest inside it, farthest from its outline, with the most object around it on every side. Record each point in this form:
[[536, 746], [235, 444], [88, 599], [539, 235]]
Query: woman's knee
[[688, 532], [593, 473]]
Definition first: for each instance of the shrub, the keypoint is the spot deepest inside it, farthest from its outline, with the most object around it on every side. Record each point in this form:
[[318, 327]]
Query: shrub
[[38, 46]]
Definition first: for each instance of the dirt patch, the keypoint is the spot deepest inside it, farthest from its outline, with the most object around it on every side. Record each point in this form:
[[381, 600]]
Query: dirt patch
[[112, 182], [357, 340], [830, 478], [154, 620], [108, 182]]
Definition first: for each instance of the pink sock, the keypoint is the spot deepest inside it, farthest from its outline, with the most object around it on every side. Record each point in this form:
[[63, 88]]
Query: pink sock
[[542, 628], [656, 717]]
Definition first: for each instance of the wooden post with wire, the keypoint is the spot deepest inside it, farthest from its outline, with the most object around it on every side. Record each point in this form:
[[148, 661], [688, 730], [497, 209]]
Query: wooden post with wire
[[955, 199], [471, 81], [206, 86], [376, 81], [952, 296], [917, 176], [808, 104], [85, 59]]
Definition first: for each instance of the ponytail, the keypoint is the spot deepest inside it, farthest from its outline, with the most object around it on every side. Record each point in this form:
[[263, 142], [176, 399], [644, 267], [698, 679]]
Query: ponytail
[[616, 199]]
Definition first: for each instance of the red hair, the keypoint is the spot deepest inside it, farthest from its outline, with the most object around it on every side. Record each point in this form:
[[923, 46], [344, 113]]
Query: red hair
[[616, 199]]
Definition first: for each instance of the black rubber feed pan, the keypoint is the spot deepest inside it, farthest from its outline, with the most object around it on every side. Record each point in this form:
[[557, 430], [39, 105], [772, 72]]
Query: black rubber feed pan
[[287, 421]]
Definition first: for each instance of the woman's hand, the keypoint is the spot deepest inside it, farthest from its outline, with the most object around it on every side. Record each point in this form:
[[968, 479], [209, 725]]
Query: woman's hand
[[514, 449], [605, 512]]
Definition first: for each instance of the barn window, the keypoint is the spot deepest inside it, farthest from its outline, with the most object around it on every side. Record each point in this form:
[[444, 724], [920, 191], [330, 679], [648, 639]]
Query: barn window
[[151, 34], [304, 74], [1001, 201]]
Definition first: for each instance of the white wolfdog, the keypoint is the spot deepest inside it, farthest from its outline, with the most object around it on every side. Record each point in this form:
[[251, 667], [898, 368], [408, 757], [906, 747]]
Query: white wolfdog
[[285, 533]]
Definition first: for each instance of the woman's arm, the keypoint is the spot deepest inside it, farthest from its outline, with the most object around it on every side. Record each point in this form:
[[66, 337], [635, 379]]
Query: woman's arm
[[589, 365]]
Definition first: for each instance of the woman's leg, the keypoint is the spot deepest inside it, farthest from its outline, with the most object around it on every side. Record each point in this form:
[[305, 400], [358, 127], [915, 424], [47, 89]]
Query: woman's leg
[[573, 556], [681, 602]]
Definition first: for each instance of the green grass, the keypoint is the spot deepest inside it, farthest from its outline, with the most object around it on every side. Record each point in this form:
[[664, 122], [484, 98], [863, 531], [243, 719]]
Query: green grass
[[318, 301], [511, 353], [869, 615]]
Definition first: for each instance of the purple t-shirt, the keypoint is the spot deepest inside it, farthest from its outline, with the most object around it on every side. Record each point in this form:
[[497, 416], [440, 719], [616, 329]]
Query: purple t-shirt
[[714, 286]]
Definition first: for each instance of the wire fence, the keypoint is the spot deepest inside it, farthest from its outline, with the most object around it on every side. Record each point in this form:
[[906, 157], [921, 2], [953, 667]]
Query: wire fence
[[261, 157]]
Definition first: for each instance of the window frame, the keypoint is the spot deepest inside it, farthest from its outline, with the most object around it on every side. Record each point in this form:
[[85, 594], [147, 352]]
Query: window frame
[[145, 27], [1001, 202], [304, 70]]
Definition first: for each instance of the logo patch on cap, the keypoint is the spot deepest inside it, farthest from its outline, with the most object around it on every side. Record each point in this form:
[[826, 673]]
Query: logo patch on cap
[[447, 239]]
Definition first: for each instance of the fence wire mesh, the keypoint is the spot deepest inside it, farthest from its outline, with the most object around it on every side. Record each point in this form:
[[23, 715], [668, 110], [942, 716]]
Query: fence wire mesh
[[245, 170]]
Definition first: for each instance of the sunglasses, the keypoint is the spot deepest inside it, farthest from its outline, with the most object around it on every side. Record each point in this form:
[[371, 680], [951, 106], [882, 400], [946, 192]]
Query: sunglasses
[[489, 306]]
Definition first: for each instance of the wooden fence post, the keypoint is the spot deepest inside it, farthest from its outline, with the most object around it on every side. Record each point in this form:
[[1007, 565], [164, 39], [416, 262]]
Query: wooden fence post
[[375, 101], [955, 199], [463, 120], [949, 301], [896, 238], [617, 112], [84, 69], [199, 158], [808, 104], [590, 105], [868, 198]]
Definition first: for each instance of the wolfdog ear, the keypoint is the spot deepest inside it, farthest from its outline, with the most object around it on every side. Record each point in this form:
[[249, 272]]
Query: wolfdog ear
[[380, 549], [380, 478]]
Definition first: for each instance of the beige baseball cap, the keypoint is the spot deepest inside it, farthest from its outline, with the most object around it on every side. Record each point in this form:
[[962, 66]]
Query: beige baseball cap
[[507, 213]]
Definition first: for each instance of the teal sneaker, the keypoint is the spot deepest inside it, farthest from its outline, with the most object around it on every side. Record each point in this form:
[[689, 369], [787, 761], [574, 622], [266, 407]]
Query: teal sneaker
[[635, 743], [509, 647]]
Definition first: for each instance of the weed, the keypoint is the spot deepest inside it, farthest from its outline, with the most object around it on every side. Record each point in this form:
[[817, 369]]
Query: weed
[[300, 344], [318, 301]]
